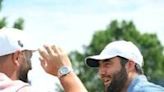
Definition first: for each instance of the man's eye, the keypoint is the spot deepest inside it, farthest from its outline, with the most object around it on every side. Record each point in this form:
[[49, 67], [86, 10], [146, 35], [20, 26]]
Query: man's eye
[[108, 64]]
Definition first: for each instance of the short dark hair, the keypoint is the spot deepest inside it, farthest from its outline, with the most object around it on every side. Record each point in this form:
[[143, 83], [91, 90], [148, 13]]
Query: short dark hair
[[139, 69], [137, 66], [123, 60]]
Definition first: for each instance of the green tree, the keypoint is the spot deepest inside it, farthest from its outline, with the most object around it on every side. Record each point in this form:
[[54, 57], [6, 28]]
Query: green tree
[[1, 4], [3, 22], [148, 43], [17, 24]]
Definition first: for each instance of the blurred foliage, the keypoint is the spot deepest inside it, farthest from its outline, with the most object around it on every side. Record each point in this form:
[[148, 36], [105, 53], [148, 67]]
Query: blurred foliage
[[3, 23], [148, 43], [19, 23], [1, 4]]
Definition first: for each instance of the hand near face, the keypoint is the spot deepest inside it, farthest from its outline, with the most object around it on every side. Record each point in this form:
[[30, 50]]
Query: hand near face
[[52, 58]]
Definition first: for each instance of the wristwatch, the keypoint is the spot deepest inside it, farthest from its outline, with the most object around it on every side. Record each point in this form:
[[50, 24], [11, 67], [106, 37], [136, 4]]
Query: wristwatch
[[64, 70]]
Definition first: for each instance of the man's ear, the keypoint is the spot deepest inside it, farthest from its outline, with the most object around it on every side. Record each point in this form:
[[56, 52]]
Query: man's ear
[[130, 66], [16, 58]]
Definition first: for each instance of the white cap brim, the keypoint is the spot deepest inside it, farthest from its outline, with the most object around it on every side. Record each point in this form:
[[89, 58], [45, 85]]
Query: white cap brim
[[93, 61]]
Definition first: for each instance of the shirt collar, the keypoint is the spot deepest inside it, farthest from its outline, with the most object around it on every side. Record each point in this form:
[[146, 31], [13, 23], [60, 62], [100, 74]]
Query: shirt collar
[[136, 80]]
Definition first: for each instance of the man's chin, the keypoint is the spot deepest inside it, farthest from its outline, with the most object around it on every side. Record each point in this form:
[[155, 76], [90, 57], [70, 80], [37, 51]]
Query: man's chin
[[107, 84]]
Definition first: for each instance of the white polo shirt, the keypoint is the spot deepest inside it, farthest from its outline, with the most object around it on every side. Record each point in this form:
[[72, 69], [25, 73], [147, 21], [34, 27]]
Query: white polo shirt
[[8, 85]]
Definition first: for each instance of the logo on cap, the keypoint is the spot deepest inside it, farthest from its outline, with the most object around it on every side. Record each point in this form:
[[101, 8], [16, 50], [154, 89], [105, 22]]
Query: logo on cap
[[20, 43]]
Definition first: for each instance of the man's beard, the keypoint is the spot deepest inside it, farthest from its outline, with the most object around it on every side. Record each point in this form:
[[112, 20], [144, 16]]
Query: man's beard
[[118, 82], [23, 73]]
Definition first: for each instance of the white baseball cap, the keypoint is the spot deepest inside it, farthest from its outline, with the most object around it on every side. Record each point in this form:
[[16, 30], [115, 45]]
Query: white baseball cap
[[12, 40], [125, 49]]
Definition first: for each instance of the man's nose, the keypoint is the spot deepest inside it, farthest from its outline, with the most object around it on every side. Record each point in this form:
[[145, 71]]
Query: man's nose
[[102, 70]]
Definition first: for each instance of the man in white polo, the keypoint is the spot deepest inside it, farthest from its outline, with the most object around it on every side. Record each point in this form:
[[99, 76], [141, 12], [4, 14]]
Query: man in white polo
[[15, 62]]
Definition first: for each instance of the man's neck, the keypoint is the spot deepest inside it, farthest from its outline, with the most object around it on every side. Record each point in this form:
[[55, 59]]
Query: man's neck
[[129, 80]]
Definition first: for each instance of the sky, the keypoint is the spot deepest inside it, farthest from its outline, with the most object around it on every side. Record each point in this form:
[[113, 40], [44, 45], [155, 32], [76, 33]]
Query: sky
[[71, 23]]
